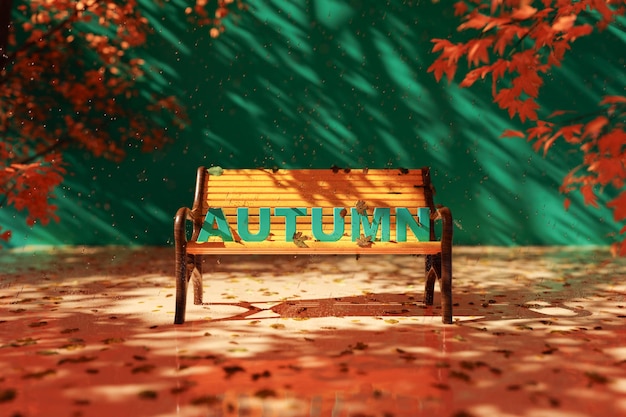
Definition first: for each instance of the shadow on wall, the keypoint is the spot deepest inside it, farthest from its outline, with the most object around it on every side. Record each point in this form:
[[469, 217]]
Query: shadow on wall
[[326, 83]]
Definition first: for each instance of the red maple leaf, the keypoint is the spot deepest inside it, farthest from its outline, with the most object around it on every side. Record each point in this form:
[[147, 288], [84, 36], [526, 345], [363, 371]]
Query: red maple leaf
[[618, 204], [589, 195]]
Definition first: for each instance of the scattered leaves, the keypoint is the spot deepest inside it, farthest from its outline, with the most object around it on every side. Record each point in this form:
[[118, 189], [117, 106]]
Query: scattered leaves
[[47, 352], [299, 239], [79, 359], [265, 393], [113, 340], [232, 370], [206, 400], [216, 171], [148, 395], [460, 375], [361, 207], [364, 241], [7, 395], [22, 342], [596, 378], [143, 369], [264, 374], [505, 352], [39, 375]]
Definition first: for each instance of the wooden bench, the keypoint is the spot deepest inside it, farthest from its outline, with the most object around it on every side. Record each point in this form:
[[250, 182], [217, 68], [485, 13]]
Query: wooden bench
[[313, 211]]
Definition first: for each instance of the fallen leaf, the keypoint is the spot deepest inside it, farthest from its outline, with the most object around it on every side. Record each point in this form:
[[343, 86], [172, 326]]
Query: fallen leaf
[[205, 400], [80, 359], [359, 346], [144, 369], [39, 375], [264, 374], [216, 171], [596, 378], [7, 395], [265, 393], [460, 375], [361, 207], [364, 241], [148, 395], [231, 370], [47, 352], [299, 239], [113, 340]]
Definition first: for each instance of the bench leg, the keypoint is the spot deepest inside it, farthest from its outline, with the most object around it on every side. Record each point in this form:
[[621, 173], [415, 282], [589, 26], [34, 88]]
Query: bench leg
[[433, 272], [445, 279], [445, 285], [196, 278], [181, 284]]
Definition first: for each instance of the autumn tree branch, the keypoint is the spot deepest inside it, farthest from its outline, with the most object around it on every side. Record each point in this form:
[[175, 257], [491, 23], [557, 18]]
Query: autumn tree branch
[[5, 29], [5, 25]]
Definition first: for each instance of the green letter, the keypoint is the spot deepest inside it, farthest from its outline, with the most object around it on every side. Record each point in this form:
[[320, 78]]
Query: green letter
[[317, 225], [420, 228], [381, 214], [290, 219], [215, 215], [243, 228]]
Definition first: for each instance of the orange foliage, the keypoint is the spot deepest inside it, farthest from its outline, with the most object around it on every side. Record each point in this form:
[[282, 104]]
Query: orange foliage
[[70, 77], [515, 43]]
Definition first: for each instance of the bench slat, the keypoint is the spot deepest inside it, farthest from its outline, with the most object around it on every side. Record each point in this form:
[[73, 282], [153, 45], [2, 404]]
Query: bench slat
[[312, 201], [317, 248]]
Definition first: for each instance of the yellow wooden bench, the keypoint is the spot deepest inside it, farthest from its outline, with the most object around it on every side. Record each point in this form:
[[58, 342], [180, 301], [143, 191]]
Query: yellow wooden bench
[[313, 211]]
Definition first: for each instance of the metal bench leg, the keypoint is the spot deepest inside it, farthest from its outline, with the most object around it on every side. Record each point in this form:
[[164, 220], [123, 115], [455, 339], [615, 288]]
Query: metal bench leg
[[196, 279], [181, 284], [433, 272], [445, 279], [445, 285]]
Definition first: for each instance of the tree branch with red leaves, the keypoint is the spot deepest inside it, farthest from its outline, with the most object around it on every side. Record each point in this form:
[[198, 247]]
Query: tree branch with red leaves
[[71, 76], [516, 43]]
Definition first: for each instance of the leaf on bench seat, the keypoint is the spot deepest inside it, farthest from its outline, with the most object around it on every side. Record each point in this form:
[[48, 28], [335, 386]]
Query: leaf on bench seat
[[299, 239], [361, 207], [364, 241], [217, 171]]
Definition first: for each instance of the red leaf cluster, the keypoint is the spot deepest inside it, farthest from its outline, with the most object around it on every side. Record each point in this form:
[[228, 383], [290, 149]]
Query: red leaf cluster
[[516, 42], [71, 73], [211, 13]]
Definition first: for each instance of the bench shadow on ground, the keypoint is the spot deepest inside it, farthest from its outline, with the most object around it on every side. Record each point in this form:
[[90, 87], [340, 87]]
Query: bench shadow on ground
[[468, 308]]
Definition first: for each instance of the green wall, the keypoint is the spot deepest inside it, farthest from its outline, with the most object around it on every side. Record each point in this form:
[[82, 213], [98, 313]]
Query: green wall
[[317, 83]]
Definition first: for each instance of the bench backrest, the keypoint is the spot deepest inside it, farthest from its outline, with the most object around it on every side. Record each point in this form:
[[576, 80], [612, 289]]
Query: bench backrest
[[305, 206]]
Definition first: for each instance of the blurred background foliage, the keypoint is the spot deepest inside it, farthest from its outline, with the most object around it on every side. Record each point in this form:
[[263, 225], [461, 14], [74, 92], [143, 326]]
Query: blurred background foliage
[[318, 83]]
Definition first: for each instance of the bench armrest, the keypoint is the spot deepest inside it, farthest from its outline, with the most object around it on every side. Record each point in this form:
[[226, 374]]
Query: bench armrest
[[183, 215]]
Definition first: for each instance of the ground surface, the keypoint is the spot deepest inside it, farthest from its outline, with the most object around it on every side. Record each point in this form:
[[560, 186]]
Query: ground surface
[[88, 332]]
